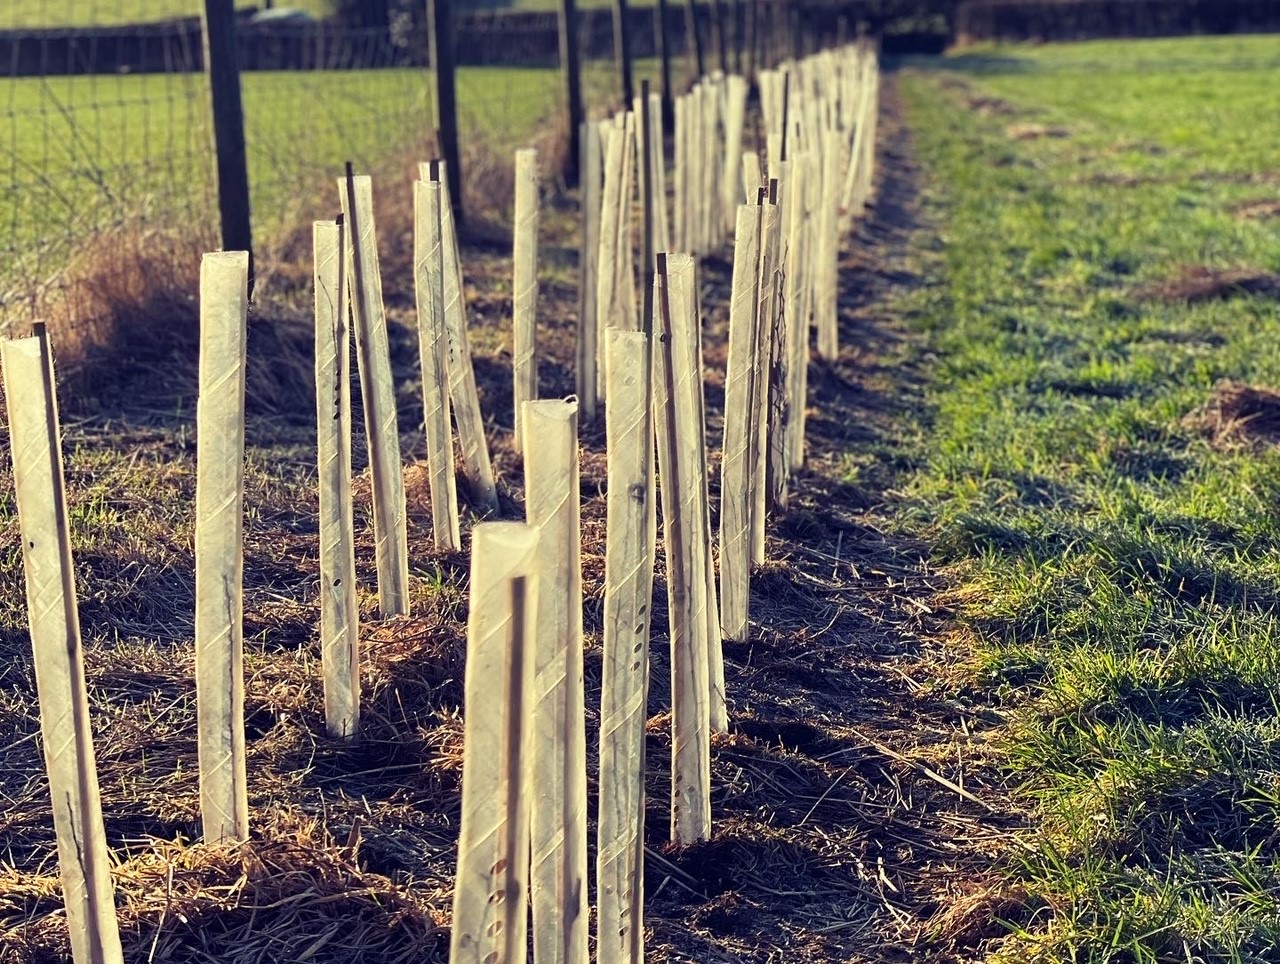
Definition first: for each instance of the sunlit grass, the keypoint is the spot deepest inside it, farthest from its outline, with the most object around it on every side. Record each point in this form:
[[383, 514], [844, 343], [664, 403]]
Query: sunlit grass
[[1120, 570]]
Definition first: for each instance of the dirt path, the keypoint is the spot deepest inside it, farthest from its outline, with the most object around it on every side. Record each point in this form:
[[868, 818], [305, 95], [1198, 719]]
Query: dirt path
[[838, 836]]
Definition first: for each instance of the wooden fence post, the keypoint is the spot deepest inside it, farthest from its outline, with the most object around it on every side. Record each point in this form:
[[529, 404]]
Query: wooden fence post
[[219, 545], [569, 66], [429, 201], [662, 40], [462, 375], [622, 50], [588, 346], [524, 288], [339, 608], [719, 26], [693, 41], [53, 617], [490, 912], [628, 596], [440, 30], [681, 527], [378, 395], [558, 797], [221, 64]]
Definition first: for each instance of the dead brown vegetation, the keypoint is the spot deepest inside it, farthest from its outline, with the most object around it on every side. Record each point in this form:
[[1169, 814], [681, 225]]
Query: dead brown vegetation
[[1236, 412], [1033, 132], [1196, 283], [1257, 210]]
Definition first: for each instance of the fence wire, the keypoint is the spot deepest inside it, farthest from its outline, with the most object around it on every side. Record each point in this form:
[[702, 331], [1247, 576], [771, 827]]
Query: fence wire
[[105, 114]]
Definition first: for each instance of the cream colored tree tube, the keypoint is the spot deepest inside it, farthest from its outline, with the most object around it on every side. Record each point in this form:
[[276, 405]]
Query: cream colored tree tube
[[661, 223], [378, 394], [524, 287], [490, 909], [752, 176], [339, 608], [477, 468], [680, 174], [737, 463], [735, 120], [224, 303], [797, 308], [768, 295], [628, 596], [433, 353], [589, 347], [558, 794], [682, 296], [681, 527], [53, 617], [825, 285], [608, 293]]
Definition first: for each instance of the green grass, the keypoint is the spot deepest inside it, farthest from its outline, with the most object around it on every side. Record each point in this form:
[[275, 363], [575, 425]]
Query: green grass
[[109, 13], [17, 15], [1119, 573]]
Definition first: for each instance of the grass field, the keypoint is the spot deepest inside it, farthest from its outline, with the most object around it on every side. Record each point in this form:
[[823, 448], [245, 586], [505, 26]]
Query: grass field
[[84, 13], [1113, 531], [93, 13]]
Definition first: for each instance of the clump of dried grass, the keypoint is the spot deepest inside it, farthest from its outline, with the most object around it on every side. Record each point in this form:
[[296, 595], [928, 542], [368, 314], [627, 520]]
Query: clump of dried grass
[[1257, 210], [294, 895], [1032, 132], [1236, 412], [124, 322]]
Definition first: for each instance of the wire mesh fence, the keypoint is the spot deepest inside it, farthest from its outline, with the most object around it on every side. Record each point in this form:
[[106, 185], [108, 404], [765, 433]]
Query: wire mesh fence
[[105, 113]]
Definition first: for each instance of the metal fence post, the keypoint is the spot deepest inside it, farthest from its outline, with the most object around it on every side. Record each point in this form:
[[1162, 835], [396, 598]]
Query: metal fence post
[[221, 65], [622, 50], [569, 65], [440, 29]]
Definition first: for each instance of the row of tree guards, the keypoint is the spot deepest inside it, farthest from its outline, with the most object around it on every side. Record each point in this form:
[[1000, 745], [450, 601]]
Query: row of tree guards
[[523, 838]]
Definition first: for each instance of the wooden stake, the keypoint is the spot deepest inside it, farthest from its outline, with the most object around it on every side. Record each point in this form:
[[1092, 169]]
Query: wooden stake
[[588, 349], [462, 377], [219, 546], [433, 352], [558, 794], [490, 913], [628, 596], [378, 394], [737, 463], [524, 286], [53, 617], [339, 608], [690, 686]]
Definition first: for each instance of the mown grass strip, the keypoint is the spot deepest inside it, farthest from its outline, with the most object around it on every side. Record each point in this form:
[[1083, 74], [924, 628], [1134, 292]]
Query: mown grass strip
[[1118, 561]]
